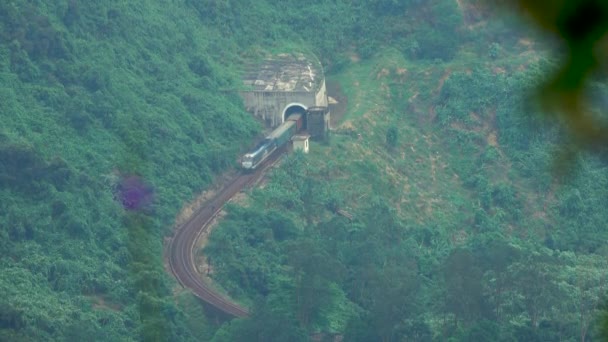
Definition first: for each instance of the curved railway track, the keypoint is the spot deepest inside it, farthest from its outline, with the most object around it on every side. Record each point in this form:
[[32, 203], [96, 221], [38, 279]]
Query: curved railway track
[[181, 247]]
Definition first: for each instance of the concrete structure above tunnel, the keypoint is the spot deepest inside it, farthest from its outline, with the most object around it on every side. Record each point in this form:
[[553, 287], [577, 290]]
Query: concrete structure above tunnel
[[283, 84]]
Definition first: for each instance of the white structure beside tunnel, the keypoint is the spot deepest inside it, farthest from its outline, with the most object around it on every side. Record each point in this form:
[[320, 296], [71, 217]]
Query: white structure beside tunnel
[[300, 142], [283, 84]]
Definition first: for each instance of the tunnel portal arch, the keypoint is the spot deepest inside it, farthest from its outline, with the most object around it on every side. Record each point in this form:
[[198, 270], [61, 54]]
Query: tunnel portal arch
[[293, 108]]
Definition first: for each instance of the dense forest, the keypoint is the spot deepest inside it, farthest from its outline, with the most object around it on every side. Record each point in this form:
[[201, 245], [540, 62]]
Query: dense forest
[[467, 220]]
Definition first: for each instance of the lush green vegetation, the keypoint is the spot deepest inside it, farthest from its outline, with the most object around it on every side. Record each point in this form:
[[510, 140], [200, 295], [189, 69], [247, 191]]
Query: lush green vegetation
[[462, 229], [90, 93], [459, 230]]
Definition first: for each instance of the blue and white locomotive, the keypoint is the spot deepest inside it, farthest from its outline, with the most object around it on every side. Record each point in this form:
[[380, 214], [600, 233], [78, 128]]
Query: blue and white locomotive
[[259, 154], [273, 141]]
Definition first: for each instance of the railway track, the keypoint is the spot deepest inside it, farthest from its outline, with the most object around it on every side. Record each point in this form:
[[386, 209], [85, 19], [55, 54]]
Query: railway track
[[181, 248]]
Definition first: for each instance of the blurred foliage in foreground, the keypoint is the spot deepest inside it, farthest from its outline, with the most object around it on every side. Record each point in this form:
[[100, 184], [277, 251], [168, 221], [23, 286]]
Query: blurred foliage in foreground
[[581, 28]]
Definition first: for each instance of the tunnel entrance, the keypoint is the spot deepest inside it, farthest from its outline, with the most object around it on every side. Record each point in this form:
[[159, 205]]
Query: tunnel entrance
[[293, 108]]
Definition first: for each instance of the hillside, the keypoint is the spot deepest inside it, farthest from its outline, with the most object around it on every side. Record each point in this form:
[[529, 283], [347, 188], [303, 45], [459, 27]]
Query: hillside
[[115, 115], [101, 102], [463, 229], [93, 96]]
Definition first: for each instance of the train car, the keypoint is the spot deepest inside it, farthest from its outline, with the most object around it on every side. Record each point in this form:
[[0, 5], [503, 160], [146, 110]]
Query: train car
[[274, 140], [297, 118], [282, 134], [251, 160]]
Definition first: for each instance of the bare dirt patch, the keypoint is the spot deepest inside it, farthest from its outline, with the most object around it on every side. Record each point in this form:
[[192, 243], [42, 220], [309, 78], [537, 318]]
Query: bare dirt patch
[[498, 70], [338, 109], [526, 42], [474, 117], [432, 114], [240, 198], [382, 73], [492, 139], [402, 74], [413, 97], [191, 207], [442, 80], [100, 303], [347, 125]]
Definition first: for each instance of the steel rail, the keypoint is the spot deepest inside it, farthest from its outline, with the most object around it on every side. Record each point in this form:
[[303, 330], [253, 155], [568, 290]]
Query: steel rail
[[182, 245]]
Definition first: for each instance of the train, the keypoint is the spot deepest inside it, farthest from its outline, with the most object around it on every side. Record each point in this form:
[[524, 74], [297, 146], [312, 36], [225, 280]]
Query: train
[[275, 140]]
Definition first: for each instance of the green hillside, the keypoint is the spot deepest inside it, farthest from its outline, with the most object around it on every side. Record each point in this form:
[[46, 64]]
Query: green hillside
[[460, 230], [90, 94], [468, 224]]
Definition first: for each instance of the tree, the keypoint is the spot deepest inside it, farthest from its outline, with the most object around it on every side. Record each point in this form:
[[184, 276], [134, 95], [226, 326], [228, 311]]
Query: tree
[[585, 279], [265, 324], [463, 287], [494, 255], [313, 270], [391, 301], [534, 285]]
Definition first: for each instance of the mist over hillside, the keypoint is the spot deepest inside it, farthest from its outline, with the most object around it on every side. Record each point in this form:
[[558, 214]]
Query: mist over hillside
[[116, 115]]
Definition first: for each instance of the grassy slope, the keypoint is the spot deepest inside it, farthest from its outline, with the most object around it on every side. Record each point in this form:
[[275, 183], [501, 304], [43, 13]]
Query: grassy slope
[[429, 176], [470, 162]]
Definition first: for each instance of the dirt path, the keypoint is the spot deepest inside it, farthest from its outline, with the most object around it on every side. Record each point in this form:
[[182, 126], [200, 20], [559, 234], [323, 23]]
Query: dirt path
[[338, 109]]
